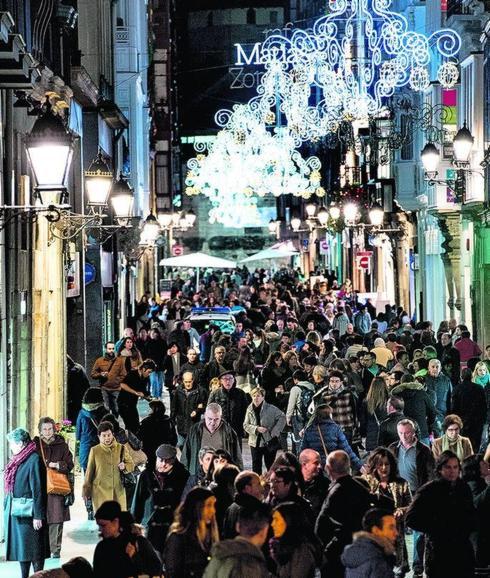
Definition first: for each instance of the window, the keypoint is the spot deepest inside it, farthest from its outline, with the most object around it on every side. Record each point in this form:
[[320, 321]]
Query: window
[[251, 16], [273, 17]]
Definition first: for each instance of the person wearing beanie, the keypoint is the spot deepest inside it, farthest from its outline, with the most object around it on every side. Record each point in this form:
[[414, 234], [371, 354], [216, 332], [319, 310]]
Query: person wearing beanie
[[158, 493], [384, 356]]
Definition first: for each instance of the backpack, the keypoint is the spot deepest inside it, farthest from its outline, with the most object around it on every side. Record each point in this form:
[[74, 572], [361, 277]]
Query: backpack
[[306, 398]]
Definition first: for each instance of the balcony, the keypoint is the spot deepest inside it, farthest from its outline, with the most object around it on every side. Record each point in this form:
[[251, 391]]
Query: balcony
[[457, 8]]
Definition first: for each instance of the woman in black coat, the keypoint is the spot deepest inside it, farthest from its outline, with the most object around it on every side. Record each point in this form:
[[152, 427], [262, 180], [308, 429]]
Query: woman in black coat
[[25, 509], [443, 510], [156, 429]]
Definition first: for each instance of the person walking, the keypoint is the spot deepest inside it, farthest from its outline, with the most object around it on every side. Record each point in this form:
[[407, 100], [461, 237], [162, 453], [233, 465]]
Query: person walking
[[25, 505], [192, 535], [155, 429], [263, 423], [56, 455], [233, 401], [106, 463], [452, 440], [187, 405], [133, 387]]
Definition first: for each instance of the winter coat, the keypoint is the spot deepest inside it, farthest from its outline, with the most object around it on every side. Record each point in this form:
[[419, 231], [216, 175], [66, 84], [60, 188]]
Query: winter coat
[[155, 500], [56, 451], [418, 405], [465, 444], [86, 431], [368, 556], [22, 542], [470, 403], [156, 350], [301, 561], [154, 430], [233, 558], [336, 522], [102, 365], [210, 370], [315, 491], [467, 349], [333, 439], [118, 370], [295, 402], [270, 378], [186, 402], [343, 403], [270, 417], [445, 513], [388, 432], [190, 451], [370, 424], [232, 513], [234, 403], [183, 556], [103, 478], [440, 389], [424, 461], [481, 538]]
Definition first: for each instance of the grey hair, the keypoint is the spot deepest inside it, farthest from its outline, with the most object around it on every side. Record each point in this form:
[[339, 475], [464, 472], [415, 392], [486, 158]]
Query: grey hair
[[214, 408], [19, 435]]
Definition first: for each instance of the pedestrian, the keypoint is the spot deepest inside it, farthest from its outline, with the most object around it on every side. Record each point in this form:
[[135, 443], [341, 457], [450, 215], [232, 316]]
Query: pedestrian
[[102, 366], [106, 463], [188, 403], [316, 483], [223, 488], [25, 531], [452, 440], [172, 365], [467, 348], [213, 368], [134, 386], [155, 429], [127, 358], [123, 551], [242, 556], [156, 350], [77, 567], [158, 493], [371, 555], [284, 487], [264, 424], [212, 432], [439, 388], [249, 493], [324, 436], [336, 523], [391, 493], [192, 535], [373, 412], [294, 548], [205, 470], [55, 455], [388, 433], [77, 384], [233, 402], [300, 399], [470, 404], [443, 510]]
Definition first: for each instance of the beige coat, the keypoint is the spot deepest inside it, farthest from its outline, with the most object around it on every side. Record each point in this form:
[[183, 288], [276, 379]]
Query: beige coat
[[102, 478], [118, 371], [465, 443]]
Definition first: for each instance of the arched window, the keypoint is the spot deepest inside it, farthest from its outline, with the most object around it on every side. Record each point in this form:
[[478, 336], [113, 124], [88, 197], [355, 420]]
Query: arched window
[[251, 16]]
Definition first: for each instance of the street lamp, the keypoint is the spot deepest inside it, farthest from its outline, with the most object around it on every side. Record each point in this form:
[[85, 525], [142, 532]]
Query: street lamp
[[310, 210], [323, 216], [430, 158], [190, 218], [462, 145], [296, 224], [376, 215], [122, 199], [334, 211], [151, 229], [165, 219], [350, 212], [98, 182], [50, 150]]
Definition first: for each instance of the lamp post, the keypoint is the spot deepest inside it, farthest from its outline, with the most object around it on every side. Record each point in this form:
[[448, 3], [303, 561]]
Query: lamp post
[[49, 148]]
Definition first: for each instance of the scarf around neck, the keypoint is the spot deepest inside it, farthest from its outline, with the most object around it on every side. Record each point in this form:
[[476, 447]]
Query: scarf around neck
[[456, 446], [14, 463]]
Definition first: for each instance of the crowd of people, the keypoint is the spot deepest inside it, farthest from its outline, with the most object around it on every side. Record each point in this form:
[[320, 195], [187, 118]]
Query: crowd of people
[[363, 427]]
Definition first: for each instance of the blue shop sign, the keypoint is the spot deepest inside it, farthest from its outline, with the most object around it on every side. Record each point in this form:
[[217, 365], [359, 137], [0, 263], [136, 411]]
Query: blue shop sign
[[90, 273]]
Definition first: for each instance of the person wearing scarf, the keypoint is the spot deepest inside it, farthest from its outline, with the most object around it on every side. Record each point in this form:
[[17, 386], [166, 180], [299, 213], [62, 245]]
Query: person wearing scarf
[[451, 440], [25, 537], [481, 375]]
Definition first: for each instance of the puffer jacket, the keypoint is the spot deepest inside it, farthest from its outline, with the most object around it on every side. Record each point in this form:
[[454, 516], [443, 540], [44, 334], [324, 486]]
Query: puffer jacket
[[333, 439], [270, 417], [236, 557], [368, 556], [418, 405]]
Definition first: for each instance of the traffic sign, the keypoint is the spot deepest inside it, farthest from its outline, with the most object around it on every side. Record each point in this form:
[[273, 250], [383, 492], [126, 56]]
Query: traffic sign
[[363, 262], [90, 273], [305, 245], [177, 250], [324, 247]]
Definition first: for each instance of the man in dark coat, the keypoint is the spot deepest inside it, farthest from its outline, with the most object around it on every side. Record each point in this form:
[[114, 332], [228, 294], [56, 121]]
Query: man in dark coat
[[388, 433], [180, 336], [212, 432], [155, 429], [188, 404], [443, 509], [158, 493], [315, 481], [341, 515], [470, 403], [214, 368], [56, 455], [447, 354], [249, 493], [233, 401]]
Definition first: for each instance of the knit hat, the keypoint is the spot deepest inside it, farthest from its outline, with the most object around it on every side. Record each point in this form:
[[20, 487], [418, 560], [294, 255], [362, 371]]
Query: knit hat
[[109, 510], [166, 452]]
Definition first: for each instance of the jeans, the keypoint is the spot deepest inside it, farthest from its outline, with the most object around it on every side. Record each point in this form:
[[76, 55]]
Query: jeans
[[156, 384], [418, 552], [110, 400]]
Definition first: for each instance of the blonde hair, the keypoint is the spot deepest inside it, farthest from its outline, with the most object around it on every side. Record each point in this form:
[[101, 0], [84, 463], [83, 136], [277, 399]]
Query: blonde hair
[[477, 367], [319, 371], [314, 337]]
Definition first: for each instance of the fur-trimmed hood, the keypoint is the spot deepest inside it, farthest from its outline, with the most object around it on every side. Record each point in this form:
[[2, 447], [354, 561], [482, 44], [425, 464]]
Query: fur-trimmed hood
[[369, 555], [411, 385]]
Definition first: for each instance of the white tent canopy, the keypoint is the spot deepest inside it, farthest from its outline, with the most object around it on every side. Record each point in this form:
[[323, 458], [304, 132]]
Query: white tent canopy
[[277, 251], [198, 261]]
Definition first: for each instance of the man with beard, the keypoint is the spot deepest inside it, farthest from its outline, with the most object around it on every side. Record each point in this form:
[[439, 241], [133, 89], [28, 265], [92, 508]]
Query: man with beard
[[100, 372]]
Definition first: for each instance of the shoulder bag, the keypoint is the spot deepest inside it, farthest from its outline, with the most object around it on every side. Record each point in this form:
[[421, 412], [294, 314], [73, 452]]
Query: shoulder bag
[[57, 483], [128, 479]]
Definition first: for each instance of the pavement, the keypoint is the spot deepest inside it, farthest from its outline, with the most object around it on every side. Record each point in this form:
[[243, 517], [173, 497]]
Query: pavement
[[80, 535]]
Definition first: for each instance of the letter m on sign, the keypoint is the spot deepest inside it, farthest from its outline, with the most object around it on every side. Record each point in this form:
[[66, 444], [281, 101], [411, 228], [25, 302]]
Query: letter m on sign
[[241, 56]]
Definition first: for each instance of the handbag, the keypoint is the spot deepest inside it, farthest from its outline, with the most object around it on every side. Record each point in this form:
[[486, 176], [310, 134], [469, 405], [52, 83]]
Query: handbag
[[57, 483], [128, 479], [22, 507]]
